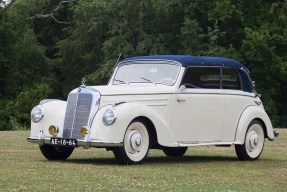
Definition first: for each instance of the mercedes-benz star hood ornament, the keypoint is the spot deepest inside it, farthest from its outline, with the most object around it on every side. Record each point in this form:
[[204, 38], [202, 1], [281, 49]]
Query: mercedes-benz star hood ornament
[[83, 81]]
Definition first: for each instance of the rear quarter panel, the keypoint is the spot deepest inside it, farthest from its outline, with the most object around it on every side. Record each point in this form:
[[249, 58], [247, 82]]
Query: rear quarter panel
[[250, 113]]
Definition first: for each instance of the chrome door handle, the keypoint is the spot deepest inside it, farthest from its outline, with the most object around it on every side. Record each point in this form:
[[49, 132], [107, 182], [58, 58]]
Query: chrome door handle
[[180, 100]]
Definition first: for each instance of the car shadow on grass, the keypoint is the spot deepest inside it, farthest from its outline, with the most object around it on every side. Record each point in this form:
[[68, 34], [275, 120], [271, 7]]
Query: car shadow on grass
[[190, 159], [157, 160]]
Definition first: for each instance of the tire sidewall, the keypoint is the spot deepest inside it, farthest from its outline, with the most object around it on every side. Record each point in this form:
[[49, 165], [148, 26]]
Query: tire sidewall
[[122, 153], [143, 129], [248, 155], [56, 153]]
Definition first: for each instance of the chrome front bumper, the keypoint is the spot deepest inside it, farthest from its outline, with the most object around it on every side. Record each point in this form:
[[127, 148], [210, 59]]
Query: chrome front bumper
[[80, 142]]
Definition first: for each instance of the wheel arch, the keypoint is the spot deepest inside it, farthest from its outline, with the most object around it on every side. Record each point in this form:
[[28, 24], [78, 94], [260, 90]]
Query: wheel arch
[[248, 115], [158, 126], [264, 126], [151, 130]]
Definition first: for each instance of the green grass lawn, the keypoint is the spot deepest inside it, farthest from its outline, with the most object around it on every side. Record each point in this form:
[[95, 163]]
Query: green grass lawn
[[23, 168]]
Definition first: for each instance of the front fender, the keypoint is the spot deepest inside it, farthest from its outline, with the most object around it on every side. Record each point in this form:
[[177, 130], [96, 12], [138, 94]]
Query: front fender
[[250, 113], [54, 114], [126, 112]]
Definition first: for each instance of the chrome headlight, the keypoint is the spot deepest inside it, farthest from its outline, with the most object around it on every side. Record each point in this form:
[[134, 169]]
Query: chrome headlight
[[37, 114], [109, 116], [42, 102]]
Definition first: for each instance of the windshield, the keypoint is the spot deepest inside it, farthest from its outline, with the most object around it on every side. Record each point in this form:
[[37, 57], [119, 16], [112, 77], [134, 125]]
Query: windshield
[[147, 73]]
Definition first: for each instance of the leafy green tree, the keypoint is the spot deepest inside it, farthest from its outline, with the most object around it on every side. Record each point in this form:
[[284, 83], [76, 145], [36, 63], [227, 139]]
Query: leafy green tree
[[24, 67], [103, 30], [47, 46]]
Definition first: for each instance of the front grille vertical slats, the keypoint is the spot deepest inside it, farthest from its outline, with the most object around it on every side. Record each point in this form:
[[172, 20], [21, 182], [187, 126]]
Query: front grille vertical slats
[[77, 114]]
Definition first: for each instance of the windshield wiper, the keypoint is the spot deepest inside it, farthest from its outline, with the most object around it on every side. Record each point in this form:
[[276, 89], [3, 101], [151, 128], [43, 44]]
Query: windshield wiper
[[148, 80], [121, 81]]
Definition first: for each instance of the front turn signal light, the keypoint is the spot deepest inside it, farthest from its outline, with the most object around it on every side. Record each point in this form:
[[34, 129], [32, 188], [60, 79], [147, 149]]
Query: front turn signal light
[[84, 131], [53, 130]]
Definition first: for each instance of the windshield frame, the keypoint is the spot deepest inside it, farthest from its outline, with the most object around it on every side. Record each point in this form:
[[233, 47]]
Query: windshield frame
[[147, 81]]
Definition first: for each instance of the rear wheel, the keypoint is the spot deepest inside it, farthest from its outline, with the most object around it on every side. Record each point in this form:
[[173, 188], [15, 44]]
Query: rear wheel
[[136, 144], [174, 151], [56, 153], [253, 144]]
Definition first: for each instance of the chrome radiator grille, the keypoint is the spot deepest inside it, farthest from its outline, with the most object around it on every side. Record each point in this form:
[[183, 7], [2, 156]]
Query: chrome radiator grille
[[77, 114]]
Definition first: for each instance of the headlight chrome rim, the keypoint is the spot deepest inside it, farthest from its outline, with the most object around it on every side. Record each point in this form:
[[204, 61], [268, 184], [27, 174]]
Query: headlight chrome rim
[[37, 114], [109, 116]]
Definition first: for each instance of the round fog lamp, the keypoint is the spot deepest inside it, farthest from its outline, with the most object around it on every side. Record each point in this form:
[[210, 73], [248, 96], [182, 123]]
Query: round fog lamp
[[53, 130], [109, 116], [84, 131]]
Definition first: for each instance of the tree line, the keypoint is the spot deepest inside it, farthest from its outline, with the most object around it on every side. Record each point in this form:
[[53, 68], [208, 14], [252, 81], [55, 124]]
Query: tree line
[[47, 46]]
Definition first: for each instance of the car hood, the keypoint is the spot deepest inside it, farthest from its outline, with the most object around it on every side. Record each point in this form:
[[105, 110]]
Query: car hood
[[113, 90]]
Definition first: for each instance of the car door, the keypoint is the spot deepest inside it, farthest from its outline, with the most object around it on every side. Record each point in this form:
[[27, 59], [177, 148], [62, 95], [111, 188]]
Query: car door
[[198, 112]]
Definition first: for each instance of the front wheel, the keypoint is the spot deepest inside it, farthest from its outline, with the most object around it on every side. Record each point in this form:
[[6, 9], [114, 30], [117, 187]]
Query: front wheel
[[136, 144], [56, 153], [253, 144]]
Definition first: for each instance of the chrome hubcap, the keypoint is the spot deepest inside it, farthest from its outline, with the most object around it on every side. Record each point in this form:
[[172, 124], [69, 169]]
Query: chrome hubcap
[[138, 141], [135, 141], [253, 140]]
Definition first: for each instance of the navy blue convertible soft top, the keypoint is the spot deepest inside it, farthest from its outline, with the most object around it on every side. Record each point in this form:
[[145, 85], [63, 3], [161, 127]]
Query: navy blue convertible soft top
[[187, 61]]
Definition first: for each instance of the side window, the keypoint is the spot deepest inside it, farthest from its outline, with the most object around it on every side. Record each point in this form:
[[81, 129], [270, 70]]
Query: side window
[[246, 81], [202, 77], [230, 79]]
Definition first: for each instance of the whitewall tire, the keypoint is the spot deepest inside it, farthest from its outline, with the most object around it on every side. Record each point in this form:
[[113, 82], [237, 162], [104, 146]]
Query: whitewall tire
[[136, 144], [253, 143]]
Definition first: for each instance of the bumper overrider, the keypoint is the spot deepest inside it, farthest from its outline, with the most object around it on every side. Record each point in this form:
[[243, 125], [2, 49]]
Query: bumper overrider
[[80, 142]]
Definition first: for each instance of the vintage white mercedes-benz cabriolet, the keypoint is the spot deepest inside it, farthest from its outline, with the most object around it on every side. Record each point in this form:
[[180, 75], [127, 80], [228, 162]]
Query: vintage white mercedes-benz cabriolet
[[163, 102]]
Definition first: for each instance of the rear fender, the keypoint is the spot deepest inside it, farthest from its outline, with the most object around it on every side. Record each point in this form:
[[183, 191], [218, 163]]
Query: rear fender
[[250, 113]]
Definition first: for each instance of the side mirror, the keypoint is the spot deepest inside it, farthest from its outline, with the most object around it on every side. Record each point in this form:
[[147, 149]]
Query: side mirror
[[182, 88]]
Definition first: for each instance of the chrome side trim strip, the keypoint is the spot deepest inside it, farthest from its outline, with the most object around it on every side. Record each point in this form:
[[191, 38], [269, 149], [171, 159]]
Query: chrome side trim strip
[[195, 143], [99, 143]]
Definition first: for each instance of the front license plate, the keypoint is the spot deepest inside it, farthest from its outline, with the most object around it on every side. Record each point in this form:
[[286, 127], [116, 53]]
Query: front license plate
[[63, 142]]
